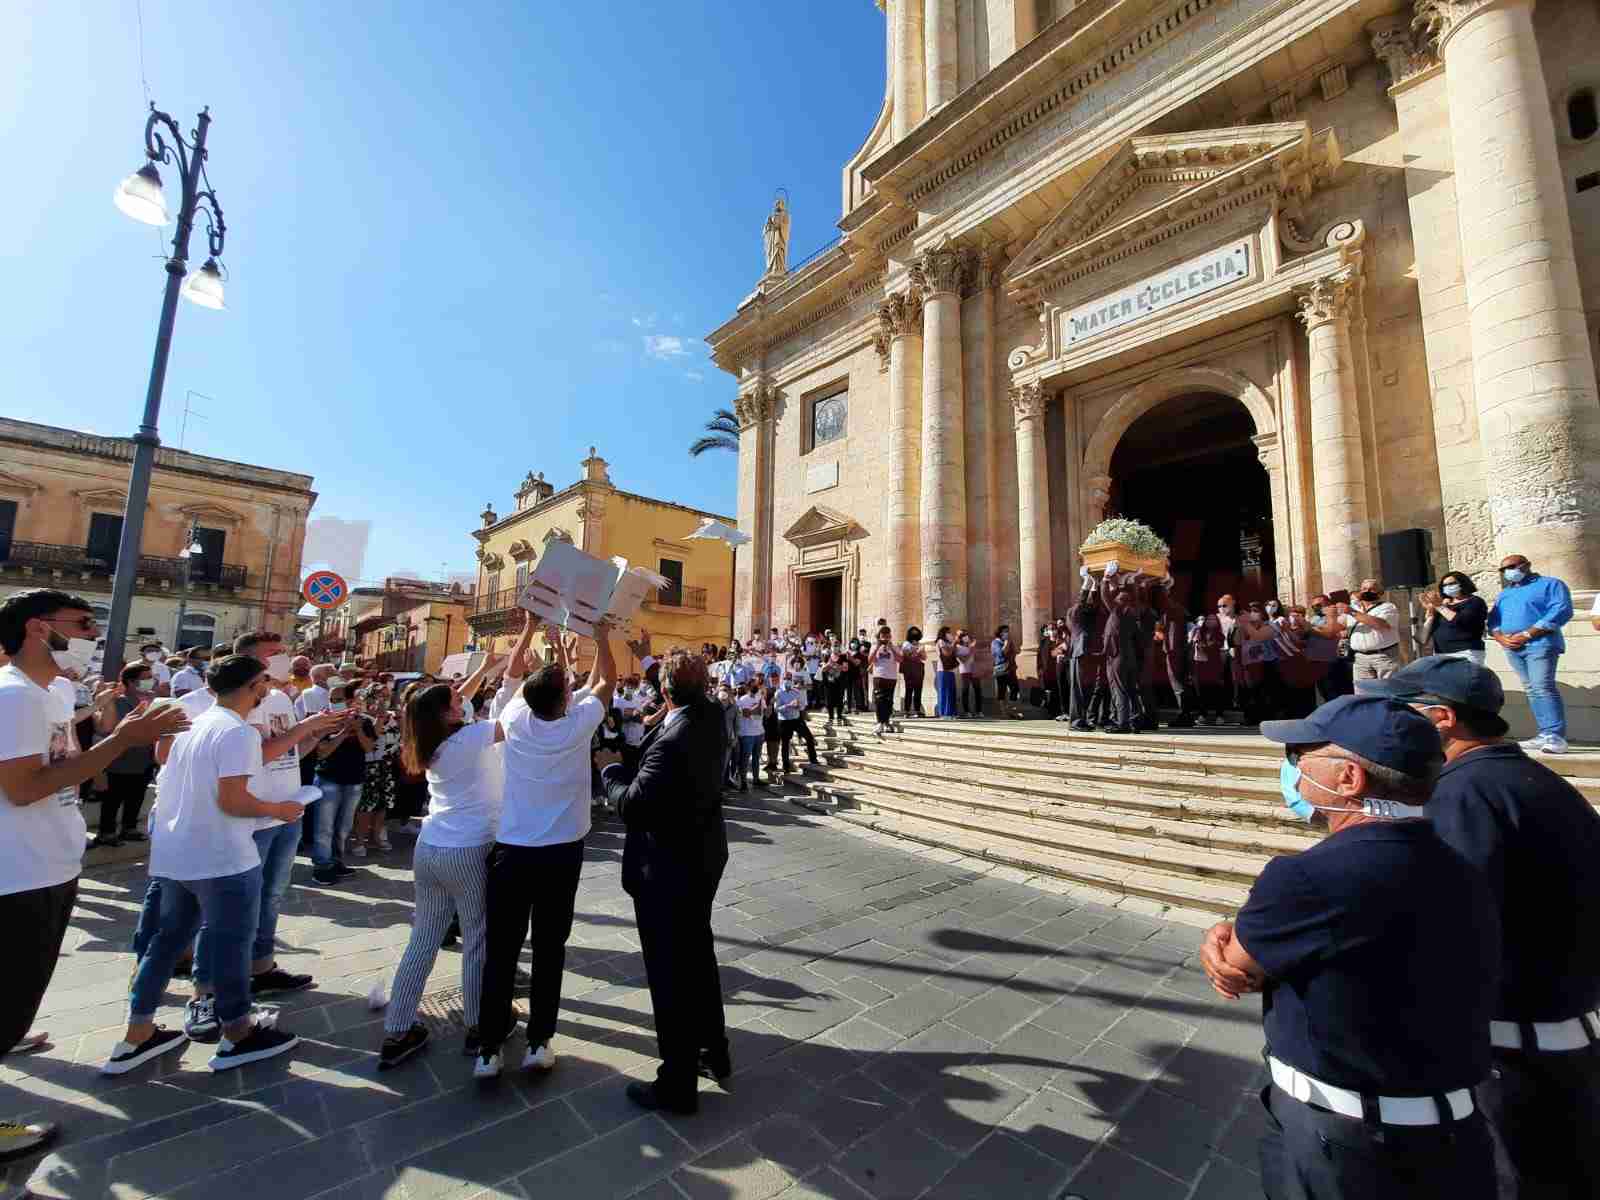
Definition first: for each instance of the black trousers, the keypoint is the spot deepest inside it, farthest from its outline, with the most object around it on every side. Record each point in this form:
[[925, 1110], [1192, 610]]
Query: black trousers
[[1090, 696], [835, 691], [123, 797], [533, 886], [971, 692], [1544, 1111], [883, 699], [858, 693], [1309, 1154], [787, 730], [1123, 675], [912, 701], [680, 962], [32, 927]]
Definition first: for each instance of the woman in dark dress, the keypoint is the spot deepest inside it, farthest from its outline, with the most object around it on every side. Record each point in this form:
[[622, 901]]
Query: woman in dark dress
[[1454, 618]]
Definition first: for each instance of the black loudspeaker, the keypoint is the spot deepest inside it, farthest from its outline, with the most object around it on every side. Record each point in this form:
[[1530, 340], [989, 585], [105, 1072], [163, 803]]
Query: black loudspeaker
[[1406, 558]]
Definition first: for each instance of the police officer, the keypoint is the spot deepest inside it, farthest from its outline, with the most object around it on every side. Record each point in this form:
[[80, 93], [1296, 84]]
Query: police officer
[[1377, 951], [1537, 841]]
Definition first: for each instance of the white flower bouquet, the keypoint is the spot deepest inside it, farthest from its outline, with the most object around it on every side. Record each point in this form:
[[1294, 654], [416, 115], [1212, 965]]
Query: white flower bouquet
[[1133, 546]]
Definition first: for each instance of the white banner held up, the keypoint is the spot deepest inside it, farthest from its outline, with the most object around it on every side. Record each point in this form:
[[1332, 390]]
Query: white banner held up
[[574, 589]]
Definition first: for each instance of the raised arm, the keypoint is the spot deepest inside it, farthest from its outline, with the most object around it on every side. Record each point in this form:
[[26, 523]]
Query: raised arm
[[603, 676]]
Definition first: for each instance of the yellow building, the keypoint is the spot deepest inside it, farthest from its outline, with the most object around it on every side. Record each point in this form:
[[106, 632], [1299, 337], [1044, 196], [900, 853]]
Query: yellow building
[[600, 519], [62, 494], [417, 626]]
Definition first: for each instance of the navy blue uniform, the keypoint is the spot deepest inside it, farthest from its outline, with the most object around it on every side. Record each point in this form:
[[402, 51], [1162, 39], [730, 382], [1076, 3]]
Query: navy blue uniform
[[1382, 947], [1537, 842]]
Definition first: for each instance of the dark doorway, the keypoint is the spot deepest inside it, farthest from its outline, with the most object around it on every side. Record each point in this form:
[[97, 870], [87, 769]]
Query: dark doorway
[[1189, 470], [825, 607]]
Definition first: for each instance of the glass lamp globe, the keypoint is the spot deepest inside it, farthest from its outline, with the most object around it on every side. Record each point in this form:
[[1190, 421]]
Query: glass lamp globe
[[204, 287], [140, 196]]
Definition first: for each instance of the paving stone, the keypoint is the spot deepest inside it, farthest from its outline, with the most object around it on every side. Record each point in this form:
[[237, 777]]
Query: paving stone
[[617, 1164], [996, 1013], [959, 1110], [1241, 1142], [1224, 1181], [155, 1169], [914, 1010], [1079, 1016], [1032, 1056], [491, 1154], [1112, 1173], [295, 1173], [897, 1162], [1004, 1167], [1168, 1133], [1057, 1125], [441, 1118], [736, 1170]]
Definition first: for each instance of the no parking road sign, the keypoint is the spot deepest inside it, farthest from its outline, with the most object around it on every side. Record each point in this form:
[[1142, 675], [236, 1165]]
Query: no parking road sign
[[324, 589]]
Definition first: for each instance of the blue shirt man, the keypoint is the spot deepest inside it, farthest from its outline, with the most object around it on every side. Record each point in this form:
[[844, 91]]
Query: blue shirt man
[[1526, 620]]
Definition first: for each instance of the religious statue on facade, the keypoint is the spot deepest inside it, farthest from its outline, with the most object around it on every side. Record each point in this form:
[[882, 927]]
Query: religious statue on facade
[[775, 236]]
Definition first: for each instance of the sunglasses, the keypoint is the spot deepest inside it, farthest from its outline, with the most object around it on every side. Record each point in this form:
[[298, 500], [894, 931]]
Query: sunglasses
[[87, 623]]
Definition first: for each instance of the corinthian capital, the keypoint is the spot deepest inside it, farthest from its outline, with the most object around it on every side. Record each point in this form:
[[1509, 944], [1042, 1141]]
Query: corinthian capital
[[1391, 44], [755, 405], [1330, 298], [1434, 19], [941, 270], [900, 314], [1027, 402]]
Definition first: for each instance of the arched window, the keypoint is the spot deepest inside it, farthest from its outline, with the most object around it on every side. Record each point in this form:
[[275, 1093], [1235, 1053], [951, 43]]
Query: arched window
[[199, 629], [1583, 120]]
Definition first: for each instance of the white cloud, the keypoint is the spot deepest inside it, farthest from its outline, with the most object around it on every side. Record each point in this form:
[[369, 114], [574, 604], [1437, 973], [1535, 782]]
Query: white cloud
[[647, 321], [694, 376], [665, 346]]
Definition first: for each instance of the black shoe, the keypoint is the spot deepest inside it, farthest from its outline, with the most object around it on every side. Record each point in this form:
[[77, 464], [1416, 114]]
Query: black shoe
[[473, 1044], [649, 1097], [325, 876], [184, 969], [133, 835], [1081, 726], [341, 871], [278, 980], [263, 1041], [99, 840], [1118, 729], [125, 1058], [716, 1065], [402, 1046]]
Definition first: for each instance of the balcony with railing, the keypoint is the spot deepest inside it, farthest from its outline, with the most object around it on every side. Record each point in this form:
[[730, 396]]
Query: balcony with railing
[[692, 598], [44, 558], [495, 612]]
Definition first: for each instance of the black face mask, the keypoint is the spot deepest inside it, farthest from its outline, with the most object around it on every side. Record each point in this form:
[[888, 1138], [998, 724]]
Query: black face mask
[[1369, 597]]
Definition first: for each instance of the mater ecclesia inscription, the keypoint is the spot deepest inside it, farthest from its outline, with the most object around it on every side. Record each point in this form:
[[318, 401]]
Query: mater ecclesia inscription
[[1187, 280]]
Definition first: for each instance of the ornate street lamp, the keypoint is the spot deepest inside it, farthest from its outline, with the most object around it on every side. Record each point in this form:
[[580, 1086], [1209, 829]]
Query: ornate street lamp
[[140, 196], [190, 549]]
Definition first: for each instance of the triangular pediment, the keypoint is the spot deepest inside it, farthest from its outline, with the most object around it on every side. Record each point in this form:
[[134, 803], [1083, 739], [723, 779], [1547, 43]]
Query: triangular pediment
[[215, 514], [1158, 179], [819, 524]]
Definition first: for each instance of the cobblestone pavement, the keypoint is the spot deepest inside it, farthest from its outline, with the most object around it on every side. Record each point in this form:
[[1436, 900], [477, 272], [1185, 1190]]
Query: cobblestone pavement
[[905, 1026]]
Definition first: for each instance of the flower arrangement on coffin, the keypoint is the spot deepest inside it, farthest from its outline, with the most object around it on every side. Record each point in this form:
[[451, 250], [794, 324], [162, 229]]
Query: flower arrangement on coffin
[[1133, 546]]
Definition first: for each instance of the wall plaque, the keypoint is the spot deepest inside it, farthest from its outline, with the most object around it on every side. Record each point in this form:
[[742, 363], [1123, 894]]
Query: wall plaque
[[1183, 282], [822, 476]]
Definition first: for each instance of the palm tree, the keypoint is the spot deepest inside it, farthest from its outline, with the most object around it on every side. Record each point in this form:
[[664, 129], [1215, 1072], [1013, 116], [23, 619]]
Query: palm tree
[[724, 430]]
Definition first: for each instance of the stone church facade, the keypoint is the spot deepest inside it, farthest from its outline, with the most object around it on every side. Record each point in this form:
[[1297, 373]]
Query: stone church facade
[[1278, 276]]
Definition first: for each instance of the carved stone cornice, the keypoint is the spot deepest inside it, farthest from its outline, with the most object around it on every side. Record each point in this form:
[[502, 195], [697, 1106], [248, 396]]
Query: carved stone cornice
[[942, 270], [1028, 401], [756, 404], [1347, 235], [1331, 298]]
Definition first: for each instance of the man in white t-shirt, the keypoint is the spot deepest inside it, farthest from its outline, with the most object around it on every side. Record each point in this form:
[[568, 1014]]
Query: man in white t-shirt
[[203, 850], [537, 857], [152, 653], [41, 827], [1373, 623], [192, 676]]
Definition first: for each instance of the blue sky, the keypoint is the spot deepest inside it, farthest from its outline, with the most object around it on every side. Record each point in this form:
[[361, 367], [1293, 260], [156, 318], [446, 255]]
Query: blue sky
[[464, 241]]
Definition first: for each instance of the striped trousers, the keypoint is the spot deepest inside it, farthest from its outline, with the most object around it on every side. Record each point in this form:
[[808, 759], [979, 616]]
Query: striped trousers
[[450, 881]]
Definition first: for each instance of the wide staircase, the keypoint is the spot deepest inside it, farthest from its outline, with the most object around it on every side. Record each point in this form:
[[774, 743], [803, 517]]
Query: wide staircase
[[1183, 819]]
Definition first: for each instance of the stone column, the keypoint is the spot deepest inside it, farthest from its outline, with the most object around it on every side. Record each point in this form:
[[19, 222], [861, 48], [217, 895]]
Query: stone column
[[944, 467], [939, 38], [753, 579], [1033, 519], [910, 103], [1344, 535], [1533, 370], [900, 324]]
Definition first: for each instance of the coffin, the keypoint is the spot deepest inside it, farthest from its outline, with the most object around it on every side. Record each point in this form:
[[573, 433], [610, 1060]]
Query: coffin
[[1096, 556]]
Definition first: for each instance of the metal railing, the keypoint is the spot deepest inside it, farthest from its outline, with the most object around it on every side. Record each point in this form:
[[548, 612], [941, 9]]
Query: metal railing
[[685, 597], [151, 566]]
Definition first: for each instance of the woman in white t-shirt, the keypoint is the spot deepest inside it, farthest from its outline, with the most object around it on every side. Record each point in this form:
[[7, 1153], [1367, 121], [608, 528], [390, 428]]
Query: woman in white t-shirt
[[884, 658], [449, 866]]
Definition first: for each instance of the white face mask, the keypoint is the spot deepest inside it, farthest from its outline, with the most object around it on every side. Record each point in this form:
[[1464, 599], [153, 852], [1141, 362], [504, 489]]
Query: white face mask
[[334, 681], [278, 666], [151, 655], [145, 685], [75, 657], [338, 706]]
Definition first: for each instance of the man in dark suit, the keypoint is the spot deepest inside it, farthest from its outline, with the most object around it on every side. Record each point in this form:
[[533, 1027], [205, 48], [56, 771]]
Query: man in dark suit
[[672, 862]]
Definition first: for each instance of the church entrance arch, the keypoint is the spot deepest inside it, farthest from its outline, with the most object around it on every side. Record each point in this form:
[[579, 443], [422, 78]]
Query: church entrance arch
[[1190, 453]]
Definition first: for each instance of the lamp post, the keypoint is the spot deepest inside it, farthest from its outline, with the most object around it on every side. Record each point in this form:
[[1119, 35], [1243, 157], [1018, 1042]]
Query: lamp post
[[140, 197], [191, 547]]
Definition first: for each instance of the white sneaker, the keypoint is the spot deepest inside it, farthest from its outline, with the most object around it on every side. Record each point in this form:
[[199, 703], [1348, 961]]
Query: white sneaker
[[200, 1022], [1546, 743], [359, 850], [541, 1059], [487, 1065]]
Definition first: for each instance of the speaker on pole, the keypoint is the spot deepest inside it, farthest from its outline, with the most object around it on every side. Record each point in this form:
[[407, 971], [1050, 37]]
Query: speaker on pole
[[1406, 558]]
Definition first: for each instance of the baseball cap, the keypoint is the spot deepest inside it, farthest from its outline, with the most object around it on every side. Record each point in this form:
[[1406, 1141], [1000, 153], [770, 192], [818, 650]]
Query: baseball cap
[[1454, 681], [1377, 728]]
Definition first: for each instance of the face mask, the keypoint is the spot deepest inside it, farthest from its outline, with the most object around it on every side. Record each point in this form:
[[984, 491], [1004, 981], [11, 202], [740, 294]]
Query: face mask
[[145, 685], [1514, 574], [339, 707], [1369, 597], [335, 681], [1272, 610], [1225, 609], [278, 666], [151, 655], [1451, 589], [1290, 775], [75, 657]]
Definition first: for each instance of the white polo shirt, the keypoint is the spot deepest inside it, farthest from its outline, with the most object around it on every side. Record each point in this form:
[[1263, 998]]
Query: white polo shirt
[[1366, 640], [41, 844], [187, 680], [546, 798], [191, 837]]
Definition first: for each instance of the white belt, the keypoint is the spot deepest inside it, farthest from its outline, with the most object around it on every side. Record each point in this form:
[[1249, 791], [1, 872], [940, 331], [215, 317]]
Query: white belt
[[1547, 1035], [1392, 1110]]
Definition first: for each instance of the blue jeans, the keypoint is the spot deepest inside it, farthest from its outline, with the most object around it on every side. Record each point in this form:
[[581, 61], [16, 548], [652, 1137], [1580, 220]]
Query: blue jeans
[[944, 691], [1535, 665], [231, 909], [335, 813], [277, 848], [749, 755]]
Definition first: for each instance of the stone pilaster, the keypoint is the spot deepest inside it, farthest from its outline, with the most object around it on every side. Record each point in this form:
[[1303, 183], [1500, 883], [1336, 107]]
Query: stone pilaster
[[910, 96], [985, 413], [755, 408], [1344, 534], [1033, 519], [944, 472], [1533, 368], [900, 327], [939, 40]]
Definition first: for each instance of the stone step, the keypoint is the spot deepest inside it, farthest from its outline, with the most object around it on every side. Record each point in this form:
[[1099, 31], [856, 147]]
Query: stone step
[[1175, 821], [998, 845]]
